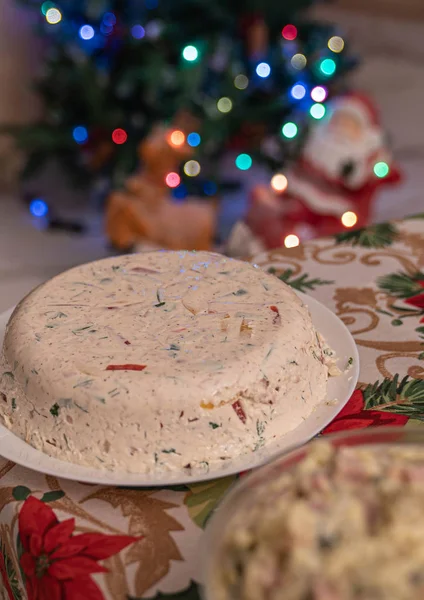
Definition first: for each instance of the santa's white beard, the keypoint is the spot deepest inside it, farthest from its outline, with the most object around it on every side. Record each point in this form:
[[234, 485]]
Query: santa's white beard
[[329, 152]]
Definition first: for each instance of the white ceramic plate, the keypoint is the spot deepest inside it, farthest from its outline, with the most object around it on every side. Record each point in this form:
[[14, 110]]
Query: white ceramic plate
[[339, 391]]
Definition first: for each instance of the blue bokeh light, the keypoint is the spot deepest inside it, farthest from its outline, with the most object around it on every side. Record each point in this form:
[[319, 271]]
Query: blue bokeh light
[[80, 134], [106, 29], [86, 32], [38, 208], [193, 139], [263, 70], [298, 91], [109, 19], [151, 4], [180, 192], [210, 188], [138, 32]]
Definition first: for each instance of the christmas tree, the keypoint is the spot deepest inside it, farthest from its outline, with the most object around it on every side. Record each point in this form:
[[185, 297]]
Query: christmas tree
[[247, 75]]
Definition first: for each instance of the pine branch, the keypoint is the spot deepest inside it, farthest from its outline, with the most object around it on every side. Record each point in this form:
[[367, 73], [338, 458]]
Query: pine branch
[[405, 397], [376, 236], [302, 283], [401, 285]]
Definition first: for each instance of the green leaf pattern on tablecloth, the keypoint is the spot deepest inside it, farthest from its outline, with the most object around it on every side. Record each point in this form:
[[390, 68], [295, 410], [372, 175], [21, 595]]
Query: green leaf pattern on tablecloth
[[376, 236], [52, 496], [203, 498], [21, 492]]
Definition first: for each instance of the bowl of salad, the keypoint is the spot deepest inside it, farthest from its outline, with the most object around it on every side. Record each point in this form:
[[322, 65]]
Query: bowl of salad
[[341, 518]]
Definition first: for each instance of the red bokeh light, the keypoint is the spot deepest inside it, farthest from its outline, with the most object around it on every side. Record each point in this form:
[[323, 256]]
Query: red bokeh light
[[173, 180], [289, 32], [119, 136]]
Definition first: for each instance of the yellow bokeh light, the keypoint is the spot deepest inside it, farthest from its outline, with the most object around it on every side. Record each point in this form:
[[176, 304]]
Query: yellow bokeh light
[[279, 182], [241, 82], [192, 168], [177, 138], [53, 16], [349, 219], [336, 44], [291, 241], [298, 61], [224, 105]]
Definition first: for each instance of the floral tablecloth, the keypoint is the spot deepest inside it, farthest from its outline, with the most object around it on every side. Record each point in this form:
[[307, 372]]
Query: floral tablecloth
[[62, 540]]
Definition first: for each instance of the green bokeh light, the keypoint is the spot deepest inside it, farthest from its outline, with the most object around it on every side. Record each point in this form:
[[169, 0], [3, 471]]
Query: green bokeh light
[[45, 7], [381, 169], [317, 111], [328, 67], [190, 53], [289, 130], [243, 162]]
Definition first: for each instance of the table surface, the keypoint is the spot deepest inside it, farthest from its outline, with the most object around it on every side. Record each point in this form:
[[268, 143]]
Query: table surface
[[63, 540]]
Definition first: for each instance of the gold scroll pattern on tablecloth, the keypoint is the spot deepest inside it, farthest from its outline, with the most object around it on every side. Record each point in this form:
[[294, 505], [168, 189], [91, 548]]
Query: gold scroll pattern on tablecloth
[[148, 539]]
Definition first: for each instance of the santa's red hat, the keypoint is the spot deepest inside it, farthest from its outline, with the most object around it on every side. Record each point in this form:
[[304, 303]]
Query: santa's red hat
[[358, 105]]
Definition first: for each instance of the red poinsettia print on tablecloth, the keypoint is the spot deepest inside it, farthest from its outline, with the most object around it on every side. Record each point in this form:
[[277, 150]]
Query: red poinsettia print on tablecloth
[[417, 301], [355, 416], [58, 564]]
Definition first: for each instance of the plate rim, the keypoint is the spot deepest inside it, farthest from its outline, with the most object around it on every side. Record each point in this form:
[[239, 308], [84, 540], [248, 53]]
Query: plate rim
[[105, 477]]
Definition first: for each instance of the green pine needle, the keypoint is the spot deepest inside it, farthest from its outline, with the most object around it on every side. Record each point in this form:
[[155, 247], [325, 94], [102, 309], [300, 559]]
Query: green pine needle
[[375, 236], [301, 283]]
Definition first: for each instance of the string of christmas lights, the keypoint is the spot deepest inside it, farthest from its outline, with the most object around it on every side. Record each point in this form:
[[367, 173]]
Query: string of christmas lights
[[290, 74]]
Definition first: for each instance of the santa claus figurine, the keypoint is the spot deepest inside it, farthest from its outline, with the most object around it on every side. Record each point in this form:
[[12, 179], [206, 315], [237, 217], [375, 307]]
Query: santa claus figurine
[[333, 184]]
